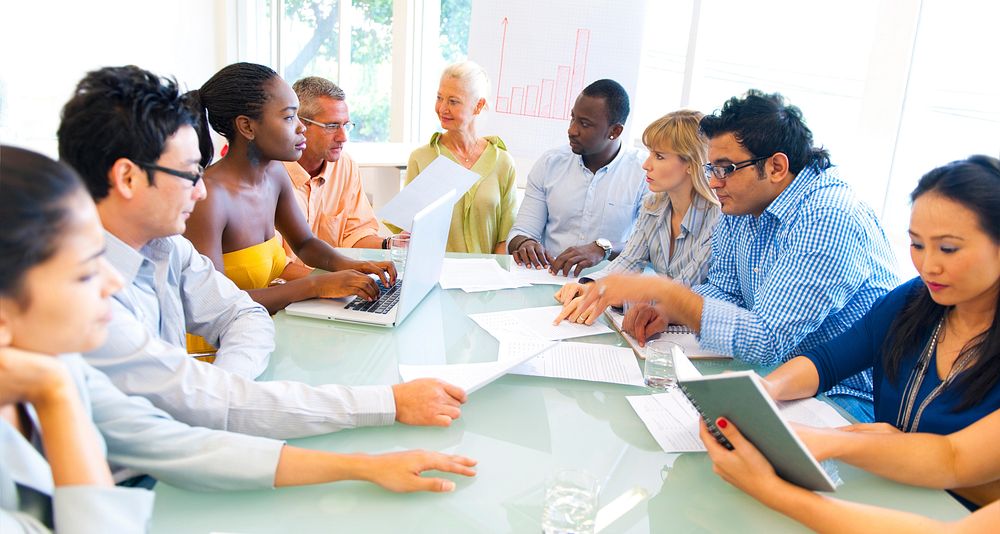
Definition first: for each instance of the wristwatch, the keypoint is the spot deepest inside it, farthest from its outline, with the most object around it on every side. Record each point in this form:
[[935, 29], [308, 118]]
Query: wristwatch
[[606, 245]]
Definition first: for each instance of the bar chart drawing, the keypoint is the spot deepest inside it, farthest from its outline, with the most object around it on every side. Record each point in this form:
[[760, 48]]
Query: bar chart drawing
[[549, 98]]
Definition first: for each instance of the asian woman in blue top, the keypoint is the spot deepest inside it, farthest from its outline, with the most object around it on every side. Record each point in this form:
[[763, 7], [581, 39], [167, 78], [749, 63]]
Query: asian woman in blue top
[[62, 421], [933, 342]]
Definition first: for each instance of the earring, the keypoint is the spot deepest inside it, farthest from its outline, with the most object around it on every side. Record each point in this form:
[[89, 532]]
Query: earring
[[612, 137]]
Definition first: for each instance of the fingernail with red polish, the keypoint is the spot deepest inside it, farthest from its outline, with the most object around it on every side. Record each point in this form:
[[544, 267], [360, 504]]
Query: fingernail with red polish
[[721, 422]]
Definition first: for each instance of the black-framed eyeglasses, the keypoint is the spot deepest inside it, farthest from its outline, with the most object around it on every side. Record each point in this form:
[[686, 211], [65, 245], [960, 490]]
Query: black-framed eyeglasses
[[331, 127], [193, 177], [721, 172]]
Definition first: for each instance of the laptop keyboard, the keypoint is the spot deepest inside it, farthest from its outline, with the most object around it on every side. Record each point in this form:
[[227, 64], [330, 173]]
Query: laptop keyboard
[[387, 299]]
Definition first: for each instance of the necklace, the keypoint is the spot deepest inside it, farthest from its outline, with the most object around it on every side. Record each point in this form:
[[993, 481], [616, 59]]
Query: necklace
[[903, 417], [464, 156]]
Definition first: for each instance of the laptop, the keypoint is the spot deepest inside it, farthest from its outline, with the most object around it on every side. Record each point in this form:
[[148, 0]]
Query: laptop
[[424, 258]]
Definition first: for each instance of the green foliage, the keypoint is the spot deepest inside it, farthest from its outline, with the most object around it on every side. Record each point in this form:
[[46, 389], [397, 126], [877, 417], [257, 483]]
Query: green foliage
[[456, 17], [371, 41]]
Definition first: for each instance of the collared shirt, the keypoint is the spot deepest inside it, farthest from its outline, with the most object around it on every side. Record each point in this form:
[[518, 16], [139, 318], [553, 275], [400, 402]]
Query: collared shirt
[[169, 289], [132, 434], [484, 214], [334, 203], [783, 283], [650, 241], [566, 205]]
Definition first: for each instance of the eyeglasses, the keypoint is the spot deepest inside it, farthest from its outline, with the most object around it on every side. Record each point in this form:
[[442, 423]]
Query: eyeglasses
[[193, 177], [331, 127], [721, 172]]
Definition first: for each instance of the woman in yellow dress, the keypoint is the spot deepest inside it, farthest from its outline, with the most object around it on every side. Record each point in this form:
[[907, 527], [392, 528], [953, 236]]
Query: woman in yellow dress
[[485, 213], [250, 195]]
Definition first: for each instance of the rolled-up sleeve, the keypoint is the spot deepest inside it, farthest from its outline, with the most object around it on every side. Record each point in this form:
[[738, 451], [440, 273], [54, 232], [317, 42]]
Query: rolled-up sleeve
[[533, 213]]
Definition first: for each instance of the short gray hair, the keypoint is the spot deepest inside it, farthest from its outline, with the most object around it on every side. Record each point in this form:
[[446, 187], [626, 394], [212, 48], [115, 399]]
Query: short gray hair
[[310, 88], [472, 77]]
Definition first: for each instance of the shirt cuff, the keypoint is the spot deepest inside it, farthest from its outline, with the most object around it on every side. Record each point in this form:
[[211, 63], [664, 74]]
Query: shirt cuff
[[350, 240], [718, 326], [375, 405]]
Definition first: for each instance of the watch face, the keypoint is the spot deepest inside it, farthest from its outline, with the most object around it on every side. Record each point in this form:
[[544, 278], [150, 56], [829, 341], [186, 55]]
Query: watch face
[[604, 243]]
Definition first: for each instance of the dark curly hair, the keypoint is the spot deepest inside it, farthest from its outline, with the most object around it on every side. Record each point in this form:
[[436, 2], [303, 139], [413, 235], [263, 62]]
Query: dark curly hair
[[119, 112], [764, 124]]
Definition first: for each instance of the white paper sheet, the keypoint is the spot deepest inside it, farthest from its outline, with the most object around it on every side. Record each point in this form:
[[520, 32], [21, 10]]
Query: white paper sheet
[[576, 361], [472, 376], [680, 335], [476, 274], [533, 323], [538, 276], [441, 176], [673, 422]]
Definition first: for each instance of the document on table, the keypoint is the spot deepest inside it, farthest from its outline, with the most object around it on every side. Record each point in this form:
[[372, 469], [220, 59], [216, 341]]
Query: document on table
[[473, 376], [534, 323], [681, 335], [441, 176], [476, 274], [528, 275], [575, 361], [673, 421]]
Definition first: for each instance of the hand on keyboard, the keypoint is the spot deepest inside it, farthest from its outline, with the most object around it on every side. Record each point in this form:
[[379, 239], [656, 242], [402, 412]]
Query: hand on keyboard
[[346, 283]]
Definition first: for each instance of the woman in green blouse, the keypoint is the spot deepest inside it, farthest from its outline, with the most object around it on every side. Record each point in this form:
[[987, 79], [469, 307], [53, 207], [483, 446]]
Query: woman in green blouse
[[485, 213]]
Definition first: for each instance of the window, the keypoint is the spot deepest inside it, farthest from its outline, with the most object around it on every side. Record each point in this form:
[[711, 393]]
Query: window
[[349, 42]]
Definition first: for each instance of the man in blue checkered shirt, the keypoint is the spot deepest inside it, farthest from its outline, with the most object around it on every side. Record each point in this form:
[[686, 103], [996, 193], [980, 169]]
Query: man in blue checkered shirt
[[796, 258]]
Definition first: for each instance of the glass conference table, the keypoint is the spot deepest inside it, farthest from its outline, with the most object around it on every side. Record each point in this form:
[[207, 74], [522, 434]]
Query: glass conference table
[[519, 428]]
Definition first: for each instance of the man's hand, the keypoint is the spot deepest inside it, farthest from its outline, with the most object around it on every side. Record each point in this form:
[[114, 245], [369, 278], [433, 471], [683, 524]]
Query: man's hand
[[400, 471], [643, 321], [582, 256], [531, 253], [428, 402], [385, 270]]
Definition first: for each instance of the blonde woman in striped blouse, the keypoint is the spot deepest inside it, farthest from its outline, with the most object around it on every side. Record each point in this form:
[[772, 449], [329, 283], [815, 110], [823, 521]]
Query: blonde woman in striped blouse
[[674, 231]]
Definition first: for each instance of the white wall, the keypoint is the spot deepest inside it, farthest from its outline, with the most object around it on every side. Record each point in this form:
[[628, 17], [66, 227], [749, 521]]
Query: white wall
[[48, 46]]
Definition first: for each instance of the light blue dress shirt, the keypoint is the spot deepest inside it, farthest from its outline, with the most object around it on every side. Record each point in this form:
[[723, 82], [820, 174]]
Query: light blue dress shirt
[[566, 205], [800, 274], [649, 243], [135, 435], [169, 289]]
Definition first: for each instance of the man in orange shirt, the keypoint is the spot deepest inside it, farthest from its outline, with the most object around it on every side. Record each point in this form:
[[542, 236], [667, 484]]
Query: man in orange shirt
[[327, 182]]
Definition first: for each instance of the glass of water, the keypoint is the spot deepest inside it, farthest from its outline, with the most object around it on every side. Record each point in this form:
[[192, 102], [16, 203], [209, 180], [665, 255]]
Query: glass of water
[[399, 244], [659, 372], [570, 503]]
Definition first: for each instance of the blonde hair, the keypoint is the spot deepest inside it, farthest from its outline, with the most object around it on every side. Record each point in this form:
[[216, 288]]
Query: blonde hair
[[677, 132], [472, 77]]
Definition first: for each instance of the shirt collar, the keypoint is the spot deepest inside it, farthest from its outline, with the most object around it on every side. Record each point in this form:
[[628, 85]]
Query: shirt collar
[[788, 201], [611, 164], [128, 260], [698, 203], [300, 177]]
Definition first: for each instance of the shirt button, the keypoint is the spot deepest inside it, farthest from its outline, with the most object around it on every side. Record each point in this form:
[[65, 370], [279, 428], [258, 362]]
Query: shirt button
[[756, 270]]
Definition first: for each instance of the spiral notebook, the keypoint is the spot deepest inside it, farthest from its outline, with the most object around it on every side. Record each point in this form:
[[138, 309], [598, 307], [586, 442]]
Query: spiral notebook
[[740, 398]]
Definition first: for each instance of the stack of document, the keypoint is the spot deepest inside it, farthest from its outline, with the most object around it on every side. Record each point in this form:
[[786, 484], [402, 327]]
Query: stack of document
[[575, 361], [476, 274], [533, 323], [531, 276]]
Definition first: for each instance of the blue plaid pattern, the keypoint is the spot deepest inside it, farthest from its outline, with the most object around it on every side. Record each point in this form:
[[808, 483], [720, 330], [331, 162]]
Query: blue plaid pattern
[[800, 274]]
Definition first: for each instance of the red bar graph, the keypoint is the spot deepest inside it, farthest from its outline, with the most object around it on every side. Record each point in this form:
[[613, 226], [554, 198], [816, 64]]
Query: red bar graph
[[550, 98]]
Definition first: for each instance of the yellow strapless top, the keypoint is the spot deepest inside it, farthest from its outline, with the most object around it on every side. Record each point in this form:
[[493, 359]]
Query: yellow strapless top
[[250, 268], [254, 267]]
